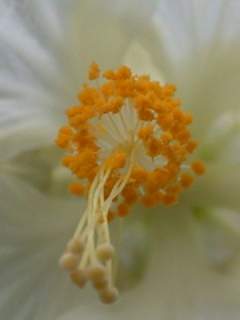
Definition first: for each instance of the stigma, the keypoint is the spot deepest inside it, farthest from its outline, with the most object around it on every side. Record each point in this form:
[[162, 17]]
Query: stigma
[[127, 140]]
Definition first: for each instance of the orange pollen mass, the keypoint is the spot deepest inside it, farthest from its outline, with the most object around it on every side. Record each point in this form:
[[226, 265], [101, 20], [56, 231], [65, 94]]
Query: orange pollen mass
[[127, 140], [198, 167], [94, 71]]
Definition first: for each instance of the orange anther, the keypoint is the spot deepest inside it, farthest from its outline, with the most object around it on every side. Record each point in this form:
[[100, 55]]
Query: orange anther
[[198, 167], [109, 74], [116, 160], [76, 188], [68, 160], [139, 174], [123, 210], [123, 73], [178, 115], [116, 104], [186, 180], [145, 114], [165, 121], [156, 179], [88, 95], [169, 89], [174, 189], [166, 137], [169, 199], [125, 88], [73, 111], [187, 118], [191, 146], [183, 136], [83, 115], [130, 195], [145, 132], [62, 141], [64, 137], [108, 88], [94, 71], [151, 200], [142, 102], [154, 147]]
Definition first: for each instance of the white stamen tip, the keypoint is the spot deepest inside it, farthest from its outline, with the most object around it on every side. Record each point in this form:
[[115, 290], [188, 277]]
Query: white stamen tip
[[108, 295], [79, 277], [105, 252], [75, 246], [69, 261], [97, 273], [100, 285]]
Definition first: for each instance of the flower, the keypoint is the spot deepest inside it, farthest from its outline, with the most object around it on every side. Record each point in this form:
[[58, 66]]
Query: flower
[[45, 50]]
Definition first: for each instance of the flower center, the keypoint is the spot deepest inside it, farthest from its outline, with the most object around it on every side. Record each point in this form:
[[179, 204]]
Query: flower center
[[127, 140]]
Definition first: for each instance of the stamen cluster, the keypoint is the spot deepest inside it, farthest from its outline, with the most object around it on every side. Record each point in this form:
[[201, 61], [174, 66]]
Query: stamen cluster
[[127, 140]]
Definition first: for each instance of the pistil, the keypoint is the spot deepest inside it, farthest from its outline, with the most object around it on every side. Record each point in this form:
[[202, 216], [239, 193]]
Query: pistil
[[127, 141]]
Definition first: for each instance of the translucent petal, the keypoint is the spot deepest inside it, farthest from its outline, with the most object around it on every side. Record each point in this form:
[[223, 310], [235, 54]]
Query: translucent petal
[[221, 143], [141, 62], [181, 28], [210, 85], [46, 48], [195, 44], [218, 232], [218, 187], [33, 232]]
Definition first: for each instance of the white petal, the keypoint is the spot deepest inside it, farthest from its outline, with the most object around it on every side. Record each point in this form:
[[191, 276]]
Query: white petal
[[33, 232], [218, 187], [195, 45], [210, 85], [221, 143], [218, 232], [141, 62], [184, 27], [46, 48]]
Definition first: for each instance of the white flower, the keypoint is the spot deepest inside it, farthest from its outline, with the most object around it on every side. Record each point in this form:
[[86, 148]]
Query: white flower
[[46, 47]]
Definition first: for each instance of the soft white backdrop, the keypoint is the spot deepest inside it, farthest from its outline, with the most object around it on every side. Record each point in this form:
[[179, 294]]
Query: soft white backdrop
[[45, 49]]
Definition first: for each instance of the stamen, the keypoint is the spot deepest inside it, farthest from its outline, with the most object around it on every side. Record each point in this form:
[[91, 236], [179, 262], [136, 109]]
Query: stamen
[[105, 252], [127, 140], [79, 277], [69, 261]]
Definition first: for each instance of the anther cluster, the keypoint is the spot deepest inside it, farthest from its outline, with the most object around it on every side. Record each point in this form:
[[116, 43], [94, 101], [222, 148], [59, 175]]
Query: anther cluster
[[127, 140]]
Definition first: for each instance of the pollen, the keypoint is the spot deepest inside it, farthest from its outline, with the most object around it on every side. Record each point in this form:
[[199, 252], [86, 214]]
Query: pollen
[[94, 71], [126, 140], [116, 160], [186, 180], [198, 167], [76, 188]]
